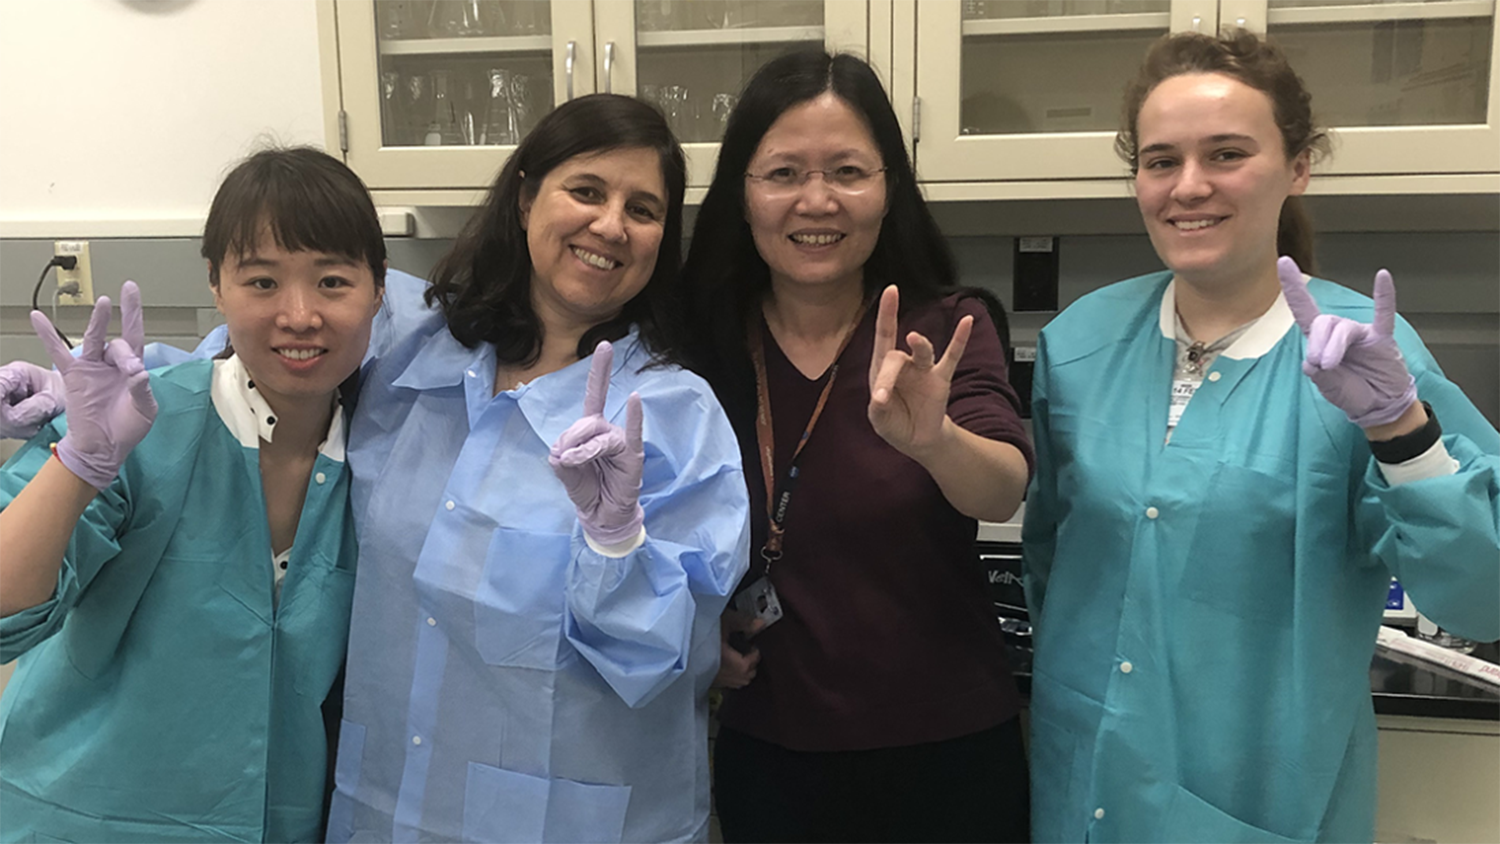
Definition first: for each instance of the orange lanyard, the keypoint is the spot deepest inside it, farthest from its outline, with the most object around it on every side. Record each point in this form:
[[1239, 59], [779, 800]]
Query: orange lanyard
[[765, 437]]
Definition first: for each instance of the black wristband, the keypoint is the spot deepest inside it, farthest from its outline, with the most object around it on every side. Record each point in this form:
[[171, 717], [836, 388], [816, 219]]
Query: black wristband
[[1405, 447]]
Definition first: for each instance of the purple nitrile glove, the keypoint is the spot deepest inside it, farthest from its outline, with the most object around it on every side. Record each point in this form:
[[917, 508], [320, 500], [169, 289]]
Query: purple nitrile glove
[[600, 464], [108, 394], [1356, 366], [30, 396]]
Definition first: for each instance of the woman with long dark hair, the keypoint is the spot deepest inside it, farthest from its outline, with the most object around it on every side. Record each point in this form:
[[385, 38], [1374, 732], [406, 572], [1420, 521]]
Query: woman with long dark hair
[[870, 695]]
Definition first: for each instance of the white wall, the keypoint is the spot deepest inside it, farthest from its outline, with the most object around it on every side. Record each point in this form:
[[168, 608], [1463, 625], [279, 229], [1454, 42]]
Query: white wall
[[120, 116]]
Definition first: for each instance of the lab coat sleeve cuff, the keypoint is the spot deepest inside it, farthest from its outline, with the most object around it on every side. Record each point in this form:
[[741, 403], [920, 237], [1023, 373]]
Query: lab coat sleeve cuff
[[622, 549], [1435, 462], [23, 630]]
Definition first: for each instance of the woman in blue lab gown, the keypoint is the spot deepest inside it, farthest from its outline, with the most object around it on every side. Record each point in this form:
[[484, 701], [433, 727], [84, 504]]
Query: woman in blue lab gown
[[1219, 506], [510, 677]]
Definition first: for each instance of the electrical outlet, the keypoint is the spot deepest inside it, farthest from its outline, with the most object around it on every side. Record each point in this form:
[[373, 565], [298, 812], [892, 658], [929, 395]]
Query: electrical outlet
[[82, 274]]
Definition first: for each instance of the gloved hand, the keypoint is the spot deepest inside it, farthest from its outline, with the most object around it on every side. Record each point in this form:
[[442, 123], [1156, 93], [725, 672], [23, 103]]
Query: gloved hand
[[600, 464], [1356, 366], [30, 396], [108, 394]]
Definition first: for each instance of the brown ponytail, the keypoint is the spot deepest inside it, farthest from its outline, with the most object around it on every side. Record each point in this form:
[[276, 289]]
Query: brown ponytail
[[1294, 234]]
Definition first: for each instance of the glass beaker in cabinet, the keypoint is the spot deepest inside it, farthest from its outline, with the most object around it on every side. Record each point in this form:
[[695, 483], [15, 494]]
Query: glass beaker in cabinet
[[444, 127], [396, 20], [465, 18]]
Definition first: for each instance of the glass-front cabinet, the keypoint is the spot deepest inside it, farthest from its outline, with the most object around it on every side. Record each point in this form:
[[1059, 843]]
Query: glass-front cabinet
[[692, 57], [1410, 86], [431, 88], [435, 93], [1028, 91]]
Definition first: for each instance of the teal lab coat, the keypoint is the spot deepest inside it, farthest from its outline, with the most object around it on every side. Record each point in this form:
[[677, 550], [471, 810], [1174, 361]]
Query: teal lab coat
[[161, 695], [1205, 610]]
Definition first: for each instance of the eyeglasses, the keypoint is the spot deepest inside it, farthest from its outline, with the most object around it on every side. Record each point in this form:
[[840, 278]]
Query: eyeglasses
[[847, 179]]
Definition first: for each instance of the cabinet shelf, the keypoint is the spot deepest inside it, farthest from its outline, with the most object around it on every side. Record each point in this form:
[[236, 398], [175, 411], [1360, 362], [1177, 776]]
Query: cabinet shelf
[[709, 37], [466, 46], [1072, 23], [1373, 12]]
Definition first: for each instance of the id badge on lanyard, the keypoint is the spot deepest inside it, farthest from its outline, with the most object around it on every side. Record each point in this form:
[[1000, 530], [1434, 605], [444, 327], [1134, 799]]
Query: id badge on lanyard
[[759, 598]]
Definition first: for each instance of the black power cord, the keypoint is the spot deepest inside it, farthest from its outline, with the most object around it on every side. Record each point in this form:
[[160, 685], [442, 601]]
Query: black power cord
[[66, 262]]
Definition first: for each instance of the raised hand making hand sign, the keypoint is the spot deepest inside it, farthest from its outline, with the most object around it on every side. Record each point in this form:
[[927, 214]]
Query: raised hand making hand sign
[[600, 464], [1356, 366], [108, 394], [909, 391]]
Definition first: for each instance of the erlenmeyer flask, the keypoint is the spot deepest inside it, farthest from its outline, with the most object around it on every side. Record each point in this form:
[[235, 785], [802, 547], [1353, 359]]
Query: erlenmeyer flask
[[499, 115], [458, 19], [442, 129], [416, 101], [520, 105]]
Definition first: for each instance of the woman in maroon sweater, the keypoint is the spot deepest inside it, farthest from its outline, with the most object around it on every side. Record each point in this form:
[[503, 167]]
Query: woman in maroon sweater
[[872, 700]]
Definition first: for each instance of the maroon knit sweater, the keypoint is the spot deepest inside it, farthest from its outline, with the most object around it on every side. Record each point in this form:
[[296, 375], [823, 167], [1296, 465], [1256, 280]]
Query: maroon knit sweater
[[889, 636]]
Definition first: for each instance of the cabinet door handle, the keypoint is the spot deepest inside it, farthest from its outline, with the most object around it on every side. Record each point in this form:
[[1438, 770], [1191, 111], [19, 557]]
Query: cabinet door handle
[[609, 63], [568, 66]]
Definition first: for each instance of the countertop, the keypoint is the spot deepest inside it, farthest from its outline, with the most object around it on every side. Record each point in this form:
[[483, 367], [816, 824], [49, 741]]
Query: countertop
[[1405, 685]]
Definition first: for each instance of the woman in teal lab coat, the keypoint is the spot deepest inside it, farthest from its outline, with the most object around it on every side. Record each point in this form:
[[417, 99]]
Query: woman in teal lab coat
[[179, 557], [1232, 461]]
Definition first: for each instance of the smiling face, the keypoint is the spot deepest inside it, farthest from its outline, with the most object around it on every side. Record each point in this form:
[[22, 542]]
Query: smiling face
[[300, 321], [593, 228], [1213, 176], [816, 235]]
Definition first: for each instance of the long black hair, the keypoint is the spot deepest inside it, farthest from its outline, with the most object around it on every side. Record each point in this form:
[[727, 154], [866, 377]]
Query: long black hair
[[483, 283], [725, 275]]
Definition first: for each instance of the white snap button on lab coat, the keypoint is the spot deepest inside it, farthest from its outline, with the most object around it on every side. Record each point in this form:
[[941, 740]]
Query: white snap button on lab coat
[[1152, 512], [431, 622], [1126, 668], [418, 740], [1214, 376], [471, 374], [450, 505], [1098, 814], [320, 477]]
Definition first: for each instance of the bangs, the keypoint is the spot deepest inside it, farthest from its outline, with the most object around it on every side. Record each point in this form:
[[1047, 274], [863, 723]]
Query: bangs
[[298, 220], [304, 200]]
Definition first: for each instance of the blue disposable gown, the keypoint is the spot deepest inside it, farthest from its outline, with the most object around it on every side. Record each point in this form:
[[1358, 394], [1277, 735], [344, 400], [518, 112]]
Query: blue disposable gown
[[161, 695], [1206, 610], [506, 682]]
